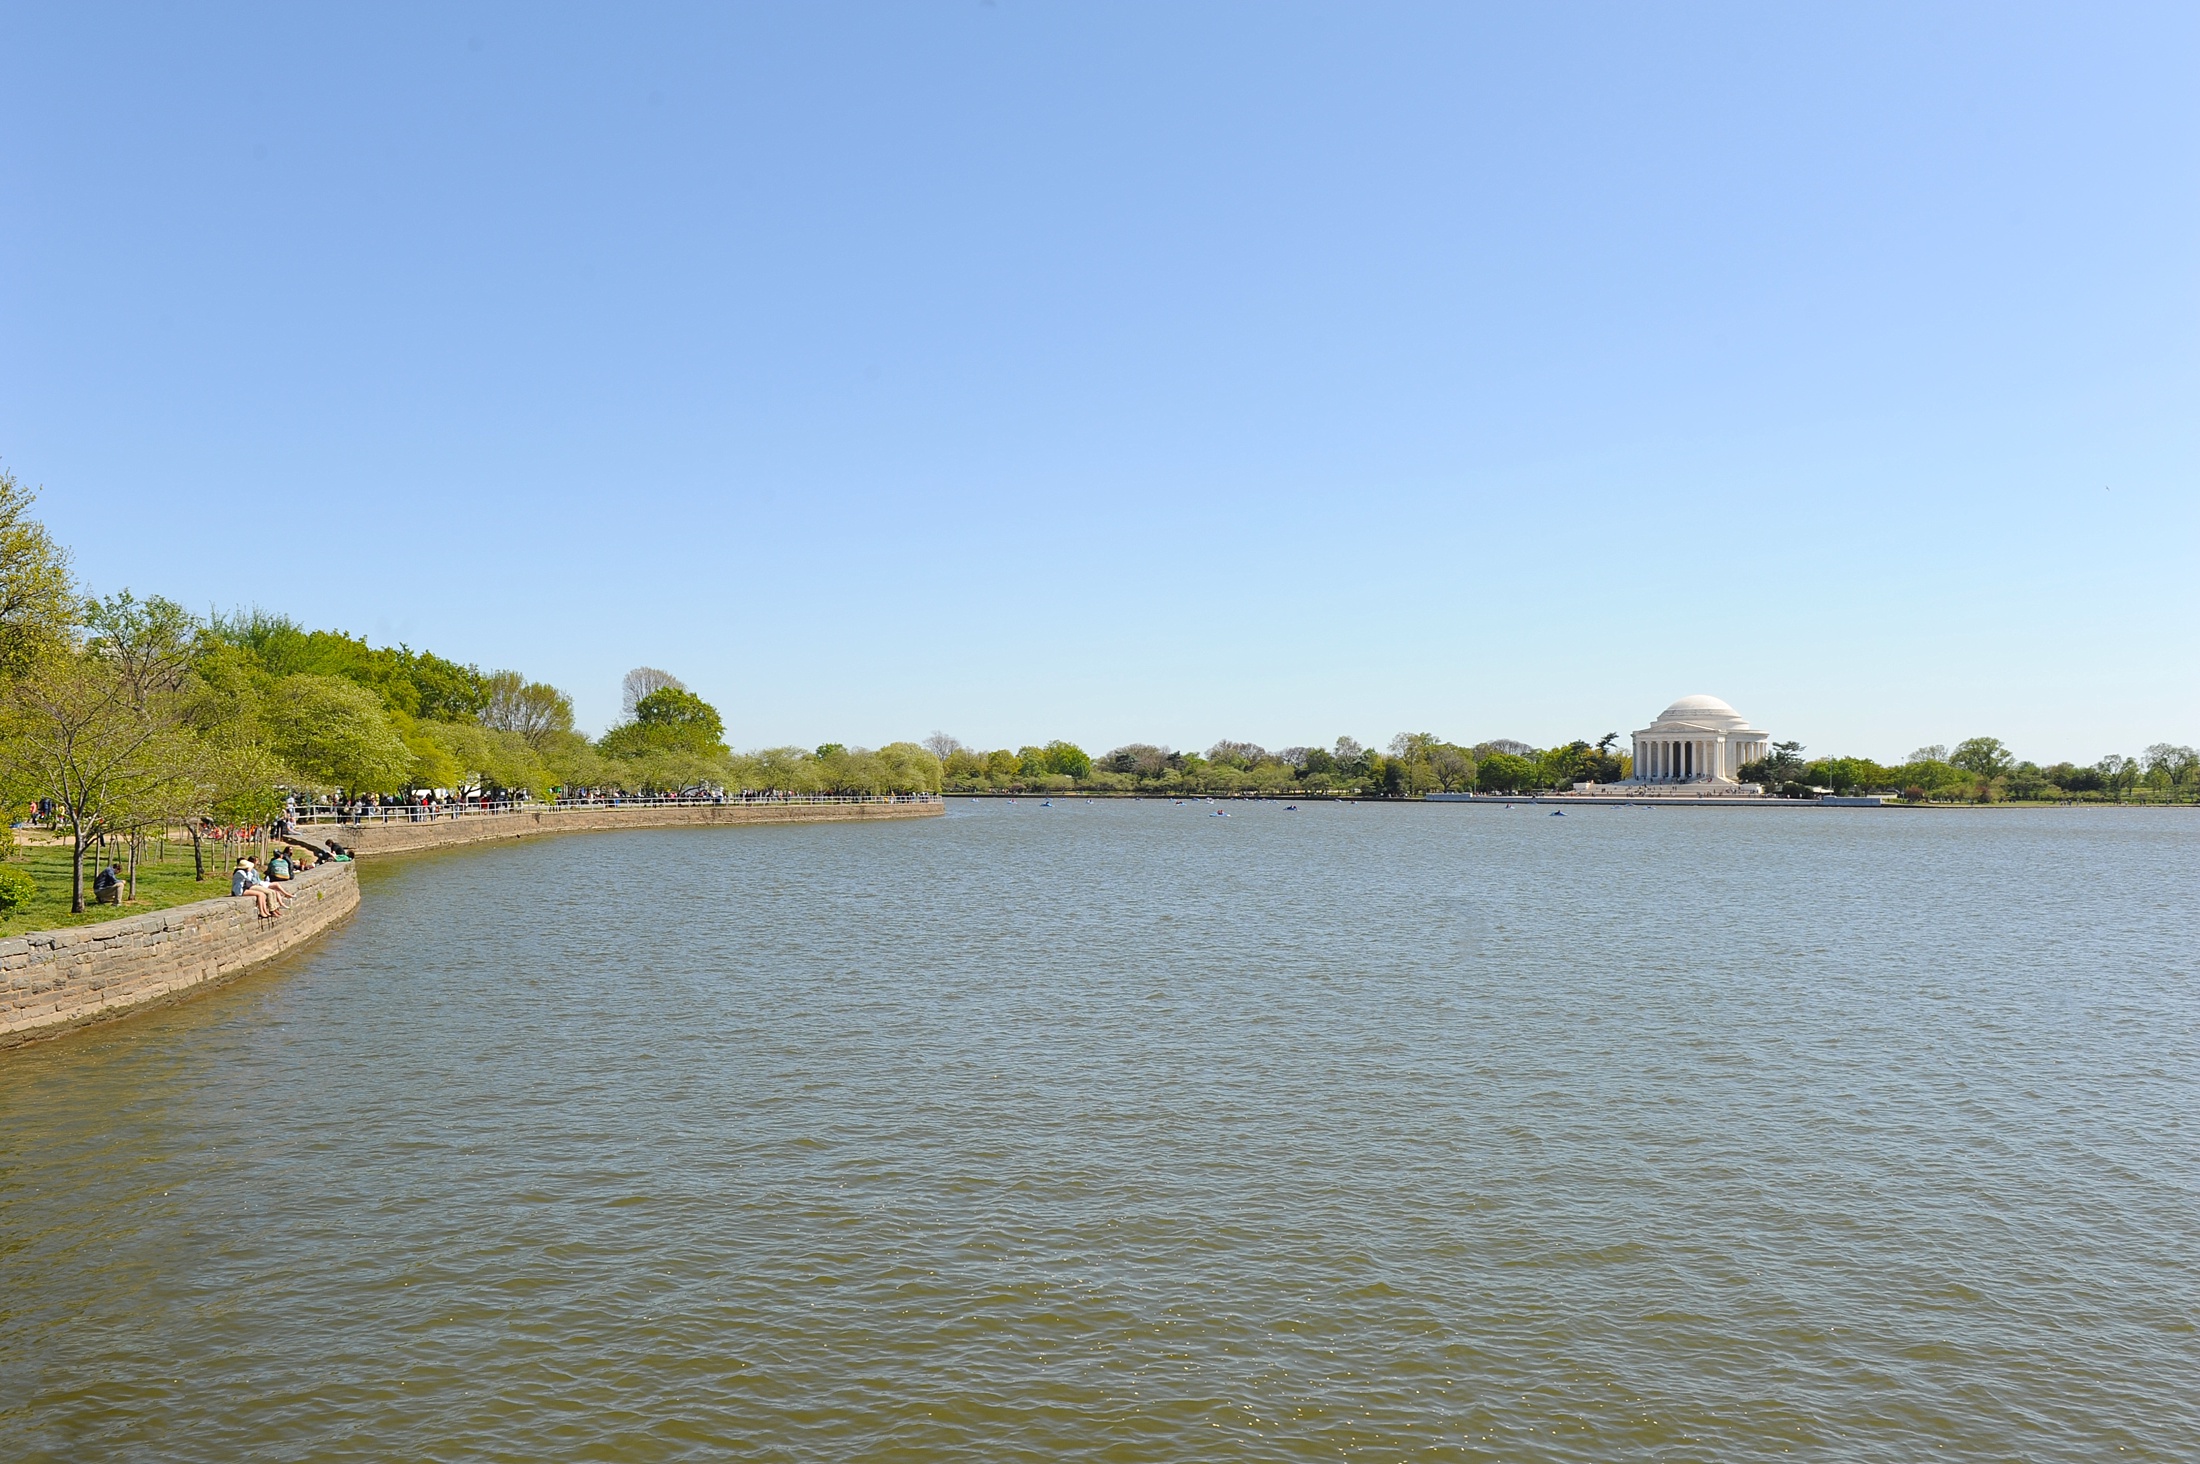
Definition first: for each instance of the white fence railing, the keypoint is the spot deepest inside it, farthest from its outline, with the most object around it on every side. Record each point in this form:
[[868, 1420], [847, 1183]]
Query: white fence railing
[[428, 812]]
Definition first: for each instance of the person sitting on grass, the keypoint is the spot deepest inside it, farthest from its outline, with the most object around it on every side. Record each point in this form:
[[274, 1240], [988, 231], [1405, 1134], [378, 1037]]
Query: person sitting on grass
[[107, 886], [247, 881]]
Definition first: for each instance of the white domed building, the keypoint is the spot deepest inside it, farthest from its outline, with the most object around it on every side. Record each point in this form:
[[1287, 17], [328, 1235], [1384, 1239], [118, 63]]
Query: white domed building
[[1699, 740]]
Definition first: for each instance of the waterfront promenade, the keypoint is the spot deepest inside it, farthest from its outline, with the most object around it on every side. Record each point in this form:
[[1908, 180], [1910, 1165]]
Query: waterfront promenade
[[405, 829]]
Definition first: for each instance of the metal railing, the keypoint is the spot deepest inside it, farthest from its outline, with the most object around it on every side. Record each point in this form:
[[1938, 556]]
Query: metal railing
[[430, 812]]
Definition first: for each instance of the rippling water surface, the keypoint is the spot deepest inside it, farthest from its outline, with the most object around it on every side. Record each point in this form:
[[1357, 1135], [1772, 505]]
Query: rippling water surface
[[1123, 1131]]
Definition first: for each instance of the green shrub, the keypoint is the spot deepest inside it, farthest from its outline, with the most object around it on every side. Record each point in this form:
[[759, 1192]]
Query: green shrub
[[17, 890]]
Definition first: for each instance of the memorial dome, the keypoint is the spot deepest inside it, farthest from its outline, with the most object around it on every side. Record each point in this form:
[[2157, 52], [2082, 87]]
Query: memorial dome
[[1701, 711]]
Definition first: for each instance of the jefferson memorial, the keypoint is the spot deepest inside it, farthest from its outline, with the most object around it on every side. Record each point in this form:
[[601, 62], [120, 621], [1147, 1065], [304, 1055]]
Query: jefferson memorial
[[1698, 739]]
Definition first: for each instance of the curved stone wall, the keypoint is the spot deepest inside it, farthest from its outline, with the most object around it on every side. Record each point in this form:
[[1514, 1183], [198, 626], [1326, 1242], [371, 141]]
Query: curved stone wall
[[403, 835], [52, 980]]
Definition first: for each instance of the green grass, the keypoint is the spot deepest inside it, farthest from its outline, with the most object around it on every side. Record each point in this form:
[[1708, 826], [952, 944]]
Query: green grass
[[161, 883]]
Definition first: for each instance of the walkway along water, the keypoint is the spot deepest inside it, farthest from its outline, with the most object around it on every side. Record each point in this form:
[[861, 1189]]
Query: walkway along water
[[55, 980]]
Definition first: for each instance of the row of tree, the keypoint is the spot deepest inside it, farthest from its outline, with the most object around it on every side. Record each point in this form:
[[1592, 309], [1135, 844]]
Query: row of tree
[[1416, 764], [1983, 770], [120, 716]]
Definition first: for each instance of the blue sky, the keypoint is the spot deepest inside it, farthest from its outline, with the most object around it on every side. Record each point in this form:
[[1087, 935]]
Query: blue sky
[[1141, 371]]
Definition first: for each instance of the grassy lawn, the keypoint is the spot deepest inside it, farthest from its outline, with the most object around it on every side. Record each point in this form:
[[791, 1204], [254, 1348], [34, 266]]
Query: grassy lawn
[[161, 883]]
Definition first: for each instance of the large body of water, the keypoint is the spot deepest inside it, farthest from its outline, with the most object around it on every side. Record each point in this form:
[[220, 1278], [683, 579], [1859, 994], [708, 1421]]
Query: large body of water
[[1126, 1132]]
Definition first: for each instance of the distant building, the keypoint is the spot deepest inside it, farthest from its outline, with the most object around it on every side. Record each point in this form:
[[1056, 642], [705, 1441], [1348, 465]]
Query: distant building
[[1698, 739]]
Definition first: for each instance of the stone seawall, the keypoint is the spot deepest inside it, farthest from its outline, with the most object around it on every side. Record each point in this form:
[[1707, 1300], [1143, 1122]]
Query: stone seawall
[[403, 836], [53, 980]]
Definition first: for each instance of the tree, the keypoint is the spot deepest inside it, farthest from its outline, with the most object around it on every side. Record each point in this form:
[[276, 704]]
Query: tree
[[909, 768], [1237, 754], [37, 598], [1139, 759], [1785, 765], [533, 709], [1504, 772], [2170, 766], [640, 683], [335, 733], [150, 643], [669, 719], [77, 731], [412, 683], [1453, 767], [1982, 757], [1068, 760]]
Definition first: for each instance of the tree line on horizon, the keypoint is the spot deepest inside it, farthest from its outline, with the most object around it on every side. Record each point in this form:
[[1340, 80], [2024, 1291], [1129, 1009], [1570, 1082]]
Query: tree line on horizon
[[1979, 770], [1983, 770], [1415, 764]]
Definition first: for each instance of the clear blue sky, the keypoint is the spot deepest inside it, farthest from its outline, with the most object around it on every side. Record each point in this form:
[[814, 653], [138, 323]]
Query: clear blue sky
[[1143, 371]]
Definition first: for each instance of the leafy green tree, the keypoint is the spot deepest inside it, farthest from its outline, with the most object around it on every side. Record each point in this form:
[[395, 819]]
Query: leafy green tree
[[1138, 759], [152, 643], [2119, 774], [411, 683], [78, 731], [1982, 757], [669, 719], [1453, 768], [37, 598], [1785, 765], [334, 733], [1846, 775], [535, 711], [1502, 772], [1317, 763], [1068, 760], [2167, 766]]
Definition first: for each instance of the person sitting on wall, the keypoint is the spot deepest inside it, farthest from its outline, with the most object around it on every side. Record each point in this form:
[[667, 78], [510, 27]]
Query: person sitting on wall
[[247, 881], [107, 886], [278, 866]]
